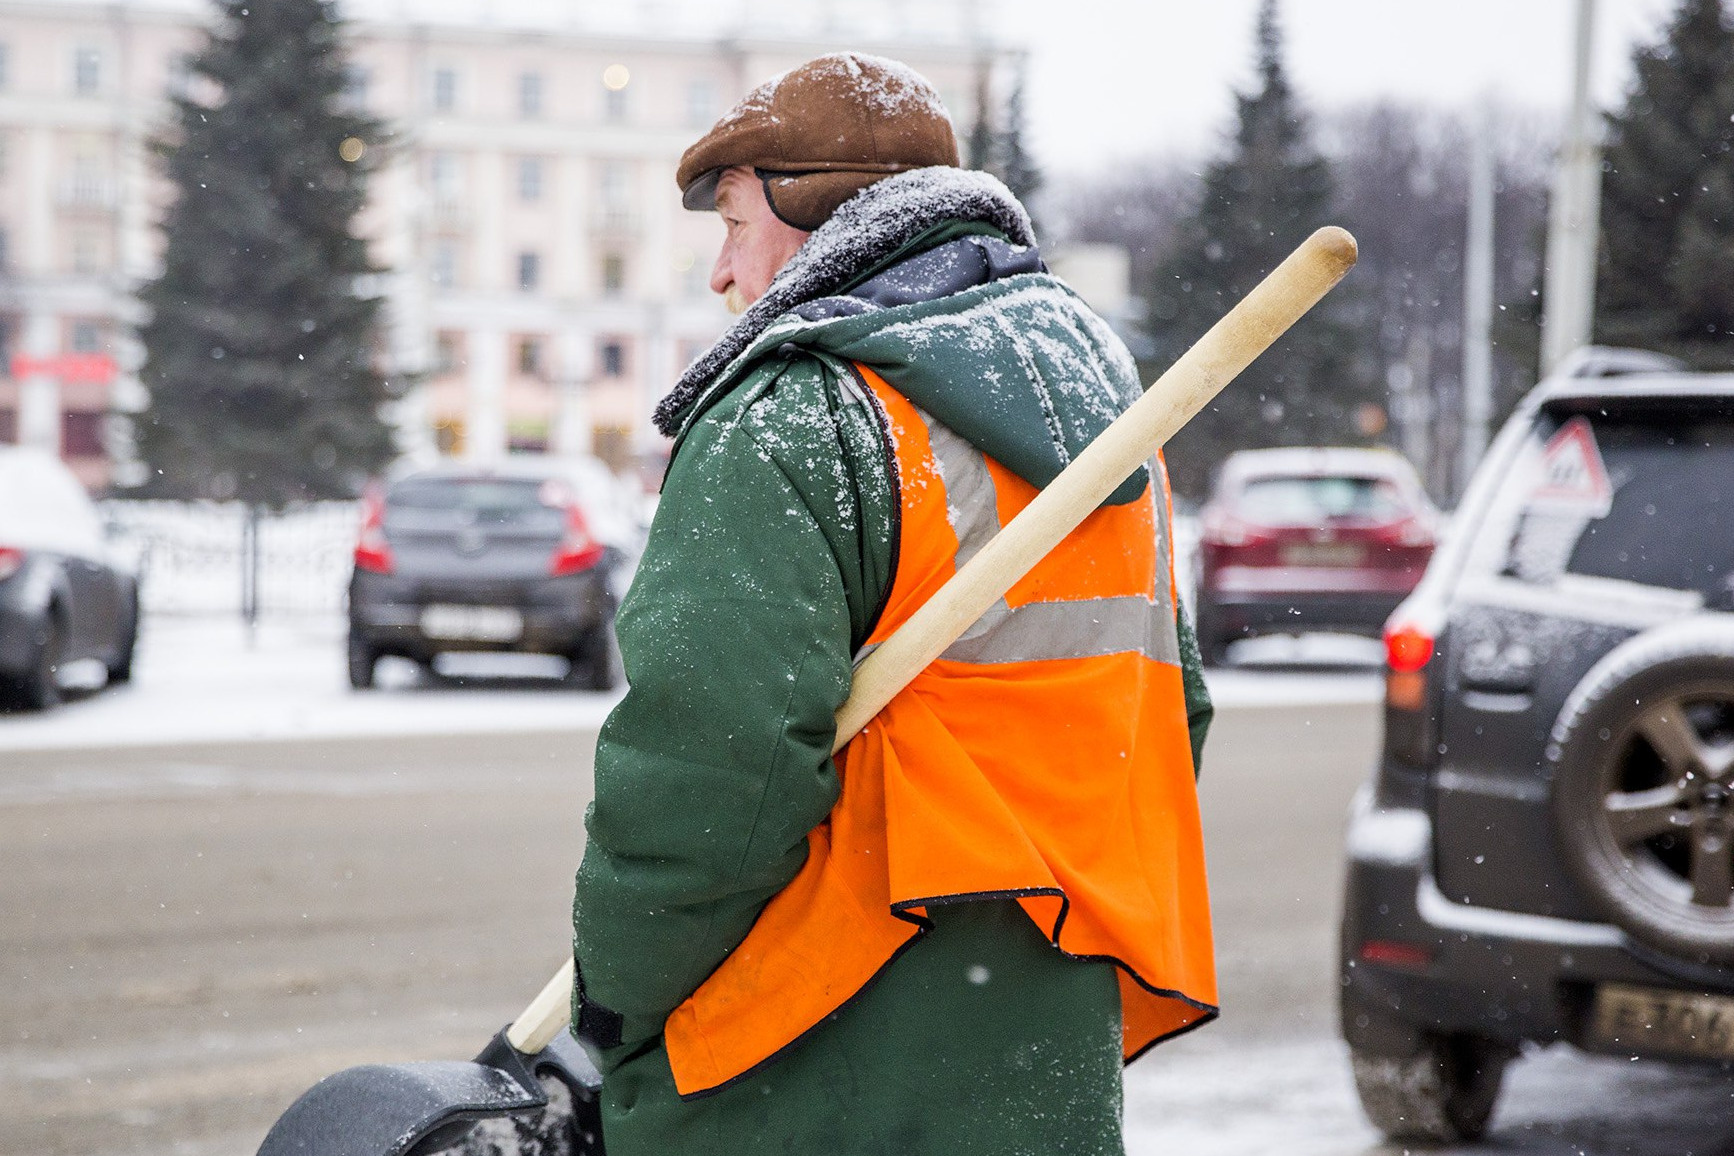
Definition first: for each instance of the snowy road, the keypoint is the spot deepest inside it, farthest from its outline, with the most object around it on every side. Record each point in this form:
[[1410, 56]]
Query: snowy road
[[236, 875], [201, 679]]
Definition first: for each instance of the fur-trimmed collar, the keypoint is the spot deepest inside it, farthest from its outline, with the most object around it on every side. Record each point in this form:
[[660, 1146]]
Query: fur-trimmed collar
[[868, 228]]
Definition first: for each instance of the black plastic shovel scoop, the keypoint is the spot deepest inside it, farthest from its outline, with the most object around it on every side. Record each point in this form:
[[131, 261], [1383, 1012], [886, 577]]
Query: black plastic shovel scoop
[[531, 1092], [504, 1102]]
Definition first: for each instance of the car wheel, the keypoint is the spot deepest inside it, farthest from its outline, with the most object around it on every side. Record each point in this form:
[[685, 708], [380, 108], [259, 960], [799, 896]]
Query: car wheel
[[120, 670], [362, 657], [1643, 794], [593, 661], [1443, 1093], [1212, 646], [39, 687]]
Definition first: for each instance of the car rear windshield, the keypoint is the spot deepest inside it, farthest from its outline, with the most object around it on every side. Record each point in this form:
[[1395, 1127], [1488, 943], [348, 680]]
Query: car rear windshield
[[1645, 498], [1306, 501], [504, 500]]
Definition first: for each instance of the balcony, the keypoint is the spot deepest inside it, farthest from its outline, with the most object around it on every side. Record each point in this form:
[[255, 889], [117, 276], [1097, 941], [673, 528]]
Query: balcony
[[617, 221], [87, 193]]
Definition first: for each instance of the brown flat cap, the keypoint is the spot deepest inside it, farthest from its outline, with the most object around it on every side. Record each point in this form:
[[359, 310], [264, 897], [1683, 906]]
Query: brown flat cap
[[821, 133]]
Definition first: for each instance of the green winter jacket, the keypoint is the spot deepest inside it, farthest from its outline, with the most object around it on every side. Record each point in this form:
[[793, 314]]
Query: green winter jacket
[[770, 555]]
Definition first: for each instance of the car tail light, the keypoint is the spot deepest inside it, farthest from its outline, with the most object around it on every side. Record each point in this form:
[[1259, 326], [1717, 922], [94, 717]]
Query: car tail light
[[1224, 529], [1408, 720], [1411, 531], [11, 561], [1390, 953], [577, 550], [1408, 648], [372, 551]]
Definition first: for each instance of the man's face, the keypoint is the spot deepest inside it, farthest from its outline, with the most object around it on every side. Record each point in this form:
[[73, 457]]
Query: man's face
[[758, 245]]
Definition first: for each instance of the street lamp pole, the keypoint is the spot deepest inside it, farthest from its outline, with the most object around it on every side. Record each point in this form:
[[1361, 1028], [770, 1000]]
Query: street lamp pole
[[1572, 216]]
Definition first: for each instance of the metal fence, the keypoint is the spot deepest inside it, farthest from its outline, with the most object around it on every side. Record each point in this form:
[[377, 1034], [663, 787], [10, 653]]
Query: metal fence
[[193, 556]]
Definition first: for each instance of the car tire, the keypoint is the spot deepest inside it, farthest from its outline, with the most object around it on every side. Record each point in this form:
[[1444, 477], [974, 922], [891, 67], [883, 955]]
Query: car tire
[[120, 670], [593, 661], [39, 687], [1443, 1093], [1212, 646], [362, 657], [1643, 786]]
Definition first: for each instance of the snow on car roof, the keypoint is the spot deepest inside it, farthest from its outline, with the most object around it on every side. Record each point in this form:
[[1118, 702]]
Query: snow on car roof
[[1316, 461], [1635, 387]]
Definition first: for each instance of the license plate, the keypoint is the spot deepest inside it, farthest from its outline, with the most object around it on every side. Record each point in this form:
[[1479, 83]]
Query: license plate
[[1339, 554], [1657, 1022], [472, 623]]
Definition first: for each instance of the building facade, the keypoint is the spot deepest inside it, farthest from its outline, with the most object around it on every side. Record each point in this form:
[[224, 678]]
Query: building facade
[[545, 286]]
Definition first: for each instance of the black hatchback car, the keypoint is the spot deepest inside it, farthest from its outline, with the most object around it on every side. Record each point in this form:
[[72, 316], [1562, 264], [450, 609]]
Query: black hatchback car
[[65, 594], [1546, 849], [516, 557]]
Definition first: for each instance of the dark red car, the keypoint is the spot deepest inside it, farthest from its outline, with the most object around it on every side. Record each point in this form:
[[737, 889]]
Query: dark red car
[[1296, 540]]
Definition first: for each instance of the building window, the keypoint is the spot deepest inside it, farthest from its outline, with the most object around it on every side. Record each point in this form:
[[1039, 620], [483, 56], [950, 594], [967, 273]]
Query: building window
[[443, 177], [529, 270], [612, 355], [89, 185], [530, 95], [448, 352], [616, 184], [5, 65], [87, 256], [84, 336], [613, 274], [614, 106], [178, 73], [81, 433], [445, 89], [529, 178], [700, 103], [5, 249], [86, 71], [8, 427], [443, 265], [529, 360], [355, 79]]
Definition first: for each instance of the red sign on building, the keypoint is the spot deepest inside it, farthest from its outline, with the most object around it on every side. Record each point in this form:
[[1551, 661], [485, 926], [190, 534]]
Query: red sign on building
[[86, 368]]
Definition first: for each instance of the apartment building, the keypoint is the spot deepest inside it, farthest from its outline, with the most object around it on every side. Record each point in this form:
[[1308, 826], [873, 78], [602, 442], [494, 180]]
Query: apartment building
[[545, 286]]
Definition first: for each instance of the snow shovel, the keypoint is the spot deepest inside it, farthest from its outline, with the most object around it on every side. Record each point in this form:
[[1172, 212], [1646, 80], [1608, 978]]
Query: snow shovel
[[419, 1109]]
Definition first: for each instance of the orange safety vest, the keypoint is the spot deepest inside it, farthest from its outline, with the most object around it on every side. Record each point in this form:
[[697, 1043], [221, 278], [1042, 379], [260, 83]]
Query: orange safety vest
[[1043, 757]]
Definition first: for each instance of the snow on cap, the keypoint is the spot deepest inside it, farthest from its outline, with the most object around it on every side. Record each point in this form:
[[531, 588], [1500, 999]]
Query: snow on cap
[[821, 133]]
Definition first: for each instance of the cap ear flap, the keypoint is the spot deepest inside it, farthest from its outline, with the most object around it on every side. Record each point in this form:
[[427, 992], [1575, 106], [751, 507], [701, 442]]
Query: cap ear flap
[[806, 200]]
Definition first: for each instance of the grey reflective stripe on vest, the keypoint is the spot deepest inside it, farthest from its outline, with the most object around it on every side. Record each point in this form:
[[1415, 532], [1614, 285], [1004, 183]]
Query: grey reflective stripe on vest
[[971, 503], [1085, 628]]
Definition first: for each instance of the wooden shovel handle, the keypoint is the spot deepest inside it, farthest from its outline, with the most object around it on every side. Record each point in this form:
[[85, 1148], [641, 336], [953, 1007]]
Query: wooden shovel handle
[[1247, 330]]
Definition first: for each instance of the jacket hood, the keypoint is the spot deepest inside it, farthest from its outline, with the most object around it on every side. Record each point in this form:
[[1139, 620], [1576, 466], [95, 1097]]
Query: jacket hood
[[961, 317]]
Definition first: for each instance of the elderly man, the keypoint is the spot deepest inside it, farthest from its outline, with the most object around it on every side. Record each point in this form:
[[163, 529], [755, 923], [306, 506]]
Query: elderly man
[[949, 938]]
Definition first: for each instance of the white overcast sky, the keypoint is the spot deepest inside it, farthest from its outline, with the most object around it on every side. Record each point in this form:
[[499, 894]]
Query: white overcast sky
[[1112, 79]]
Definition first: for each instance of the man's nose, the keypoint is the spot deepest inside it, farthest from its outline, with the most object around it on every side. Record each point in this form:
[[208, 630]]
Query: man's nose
[[722, 274]]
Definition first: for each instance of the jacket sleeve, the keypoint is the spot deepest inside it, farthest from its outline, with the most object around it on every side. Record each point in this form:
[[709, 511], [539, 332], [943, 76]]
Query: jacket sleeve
[[736, 637], [1199, 709]]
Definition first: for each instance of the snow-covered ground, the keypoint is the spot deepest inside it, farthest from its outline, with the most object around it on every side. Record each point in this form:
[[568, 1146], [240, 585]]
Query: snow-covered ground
[[202, 678]]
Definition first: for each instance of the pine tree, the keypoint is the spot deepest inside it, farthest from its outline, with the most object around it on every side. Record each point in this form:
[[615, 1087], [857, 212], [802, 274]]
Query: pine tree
[[1665, 277], [260, 342], [1017, 168], [1256, 203], [1000, 150]]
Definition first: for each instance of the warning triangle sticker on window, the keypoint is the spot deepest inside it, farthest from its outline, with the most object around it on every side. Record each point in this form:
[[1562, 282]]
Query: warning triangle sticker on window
[[1570, 477]]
